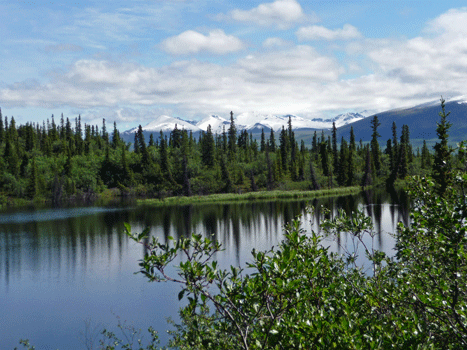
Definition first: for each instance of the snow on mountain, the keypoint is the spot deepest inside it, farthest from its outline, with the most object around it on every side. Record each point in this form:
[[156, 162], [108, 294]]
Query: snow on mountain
[[217, 124], [251, 121], [166, 124], [347, 118]]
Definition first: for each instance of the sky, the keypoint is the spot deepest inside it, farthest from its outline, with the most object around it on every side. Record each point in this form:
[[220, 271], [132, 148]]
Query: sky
[[131, 61]]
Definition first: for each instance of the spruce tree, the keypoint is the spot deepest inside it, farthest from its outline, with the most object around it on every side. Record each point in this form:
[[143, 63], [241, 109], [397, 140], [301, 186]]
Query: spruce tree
[[335, 155], [263, 141], [284, 147], [352, 144], [314, 181], [272, 141], [366, 180], [426, 157], [115, 137], [441, 165], [32, 183], [225, 177], [207, 148], [151, 140], [270, 175], [342, 173], [232, 138], [375, 152], [323, 152]]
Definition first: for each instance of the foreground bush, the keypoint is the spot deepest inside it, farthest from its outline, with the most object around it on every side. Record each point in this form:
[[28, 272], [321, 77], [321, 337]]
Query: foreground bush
[[300, 295]]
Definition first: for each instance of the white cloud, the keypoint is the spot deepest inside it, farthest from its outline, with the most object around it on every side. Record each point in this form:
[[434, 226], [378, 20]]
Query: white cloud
[[280, 13], [190, 42], [275, 42], [323, 33], [298, 80], [281, 82], [437, 62]]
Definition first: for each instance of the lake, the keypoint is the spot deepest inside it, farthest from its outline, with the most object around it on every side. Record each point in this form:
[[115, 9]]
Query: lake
[[67, 273]]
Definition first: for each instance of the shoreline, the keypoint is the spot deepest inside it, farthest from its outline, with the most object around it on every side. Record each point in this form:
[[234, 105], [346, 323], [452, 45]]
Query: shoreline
[[250, 196], [111, 196]]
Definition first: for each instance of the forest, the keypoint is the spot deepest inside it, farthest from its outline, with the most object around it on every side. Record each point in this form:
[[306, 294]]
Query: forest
[[299, 294], [55, 162]]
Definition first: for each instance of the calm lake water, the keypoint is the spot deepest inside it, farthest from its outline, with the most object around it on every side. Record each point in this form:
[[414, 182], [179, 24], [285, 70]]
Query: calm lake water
[[68, 272]]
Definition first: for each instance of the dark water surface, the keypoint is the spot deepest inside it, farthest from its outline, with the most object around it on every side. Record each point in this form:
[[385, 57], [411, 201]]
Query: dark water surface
[[68, 271]]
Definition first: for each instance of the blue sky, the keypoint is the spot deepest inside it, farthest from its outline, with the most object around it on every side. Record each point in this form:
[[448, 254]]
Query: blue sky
[[131, 61]]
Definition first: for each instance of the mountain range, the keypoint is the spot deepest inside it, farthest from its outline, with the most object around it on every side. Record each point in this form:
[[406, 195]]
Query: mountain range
[[421, 120], [250, 121]]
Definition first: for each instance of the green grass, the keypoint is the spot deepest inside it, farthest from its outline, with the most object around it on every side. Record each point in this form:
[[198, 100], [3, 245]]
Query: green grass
[[252, 196]]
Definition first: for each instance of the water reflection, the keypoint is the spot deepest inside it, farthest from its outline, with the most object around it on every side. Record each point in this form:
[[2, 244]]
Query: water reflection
[[61, 239], [63, 255]]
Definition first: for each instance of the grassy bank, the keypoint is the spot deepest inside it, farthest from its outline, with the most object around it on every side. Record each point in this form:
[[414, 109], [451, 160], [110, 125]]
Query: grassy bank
[[251, 196]]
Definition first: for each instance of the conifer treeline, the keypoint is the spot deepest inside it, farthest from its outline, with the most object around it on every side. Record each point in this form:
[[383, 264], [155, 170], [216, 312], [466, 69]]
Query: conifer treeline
[[55, 161]]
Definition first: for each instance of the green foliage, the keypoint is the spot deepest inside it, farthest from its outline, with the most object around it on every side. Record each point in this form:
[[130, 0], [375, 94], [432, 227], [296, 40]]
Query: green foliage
[[299, 295], [442, 164]]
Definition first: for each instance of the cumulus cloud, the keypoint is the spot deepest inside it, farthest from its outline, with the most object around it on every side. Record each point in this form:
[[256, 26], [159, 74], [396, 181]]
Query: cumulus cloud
[[434, 61], [191, 42], [280, 13], [323, 33], [280, 81], [275, 42], [299, 80]]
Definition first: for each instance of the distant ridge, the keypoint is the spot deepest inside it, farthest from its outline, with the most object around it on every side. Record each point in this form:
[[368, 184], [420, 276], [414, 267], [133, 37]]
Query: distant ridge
[[250, 121], [421, 120]]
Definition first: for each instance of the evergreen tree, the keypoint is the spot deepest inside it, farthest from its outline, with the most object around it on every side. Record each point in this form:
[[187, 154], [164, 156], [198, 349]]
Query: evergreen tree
[[441, 165], [207, 148], [389, 152], [62, 127], [164, 161], [105, 134], [141, 141], [351, 164], [151, 140], [335, 156], [291, 142], [232, 138], [352, 144], [11, 157], [342, 174], [405, 138], [270, 176], [225, 177], [284, 148], [402, 160], [224, 139], [272, 142], [127, 174], [323, 152], [375, 152], [32, 189], [426, 157], [115, 137], [314, 181], [263, 141], [366, 180], [186, 179]]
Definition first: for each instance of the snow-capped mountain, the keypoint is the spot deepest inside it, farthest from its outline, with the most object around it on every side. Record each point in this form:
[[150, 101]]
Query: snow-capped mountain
[[251, 121], [217, 124], [165, 123]]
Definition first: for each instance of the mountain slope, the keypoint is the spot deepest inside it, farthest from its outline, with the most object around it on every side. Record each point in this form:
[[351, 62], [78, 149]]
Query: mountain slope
[[421, 121]]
